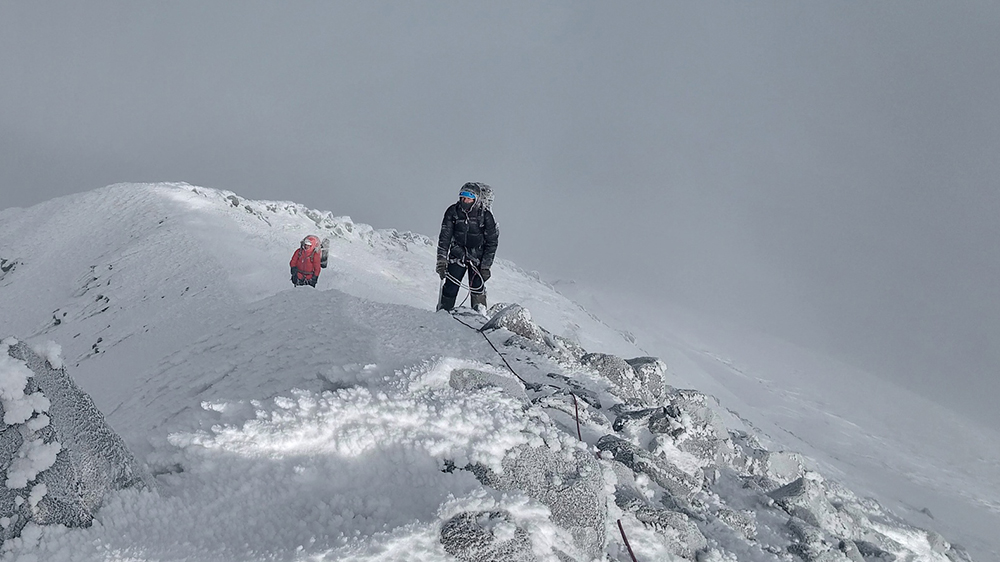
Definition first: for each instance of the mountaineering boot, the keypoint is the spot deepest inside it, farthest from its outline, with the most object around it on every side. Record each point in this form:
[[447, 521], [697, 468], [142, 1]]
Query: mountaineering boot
[[447, 303], [479, 302]]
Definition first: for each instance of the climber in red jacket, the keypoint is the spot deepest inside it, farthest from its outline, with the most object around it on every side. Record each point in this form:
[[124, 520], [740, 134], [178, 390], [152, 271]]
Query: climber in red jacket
[[305, 262]]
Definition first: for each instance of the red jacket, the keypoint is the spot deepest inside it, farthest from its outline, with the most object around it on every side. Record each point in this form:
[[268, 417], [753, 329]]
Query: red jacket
[[307, 261]]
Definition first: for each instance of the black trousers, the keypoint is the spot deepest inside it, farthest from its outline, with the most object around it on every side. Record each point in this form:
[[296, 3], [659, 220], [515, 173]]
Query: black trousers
[[449, 291], [457, 271]]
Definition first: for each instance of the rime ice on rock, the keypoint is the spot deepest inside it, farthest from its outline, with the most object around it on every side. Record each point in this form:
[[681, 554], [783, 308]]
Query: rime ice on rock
[[651, 371], [58, 457], [529, 335], [487, 536], [517, 319], [569, 482], [626, 382], [472, 379]]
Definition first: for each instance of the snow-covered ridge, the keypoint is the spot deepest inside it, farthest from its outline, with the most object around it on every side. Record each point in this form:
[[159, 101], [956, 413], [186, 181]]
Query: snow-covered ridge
[[354, 423]]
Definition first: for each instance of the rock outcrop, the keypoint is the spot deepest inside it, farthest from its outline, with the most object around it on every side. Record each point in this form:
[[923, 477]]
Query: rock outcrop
[[58, 456]]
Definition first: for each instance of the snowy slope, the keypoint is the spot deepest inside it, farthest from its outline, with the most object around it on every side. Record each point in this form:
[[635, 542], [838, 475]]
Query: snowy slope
[[301, 424], [146, 269]]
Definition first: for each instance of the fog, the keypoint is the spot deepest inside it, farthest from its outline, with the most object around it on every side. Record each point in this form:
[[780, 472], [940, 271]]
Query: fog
[[823, 172]]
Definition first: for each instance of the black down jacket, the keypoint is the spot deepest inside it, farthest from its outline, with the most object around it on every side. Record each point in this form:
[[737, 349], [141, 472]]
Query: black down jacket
[[468, 236]]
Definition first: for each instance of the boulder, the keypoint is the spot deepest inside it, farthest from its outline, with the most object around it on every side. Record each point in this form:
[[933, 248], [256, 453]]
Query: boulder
[[678, 484], [58, 456], [486, 536], [806, 499], [626, 383], [652, 371], [570, 482], [516, 319], [474, 379]]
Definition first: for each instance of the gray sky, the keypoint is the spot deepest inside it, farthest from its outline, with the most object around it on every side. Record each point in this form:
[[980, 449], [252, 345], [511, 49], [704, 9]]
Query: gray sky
[[824, 171]]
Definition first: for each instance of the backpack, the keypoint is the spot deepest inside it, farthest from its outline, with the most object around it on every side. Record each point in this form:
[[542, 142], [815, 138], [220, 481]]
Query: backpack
[[485, 201], [324, 247], [485, 196]]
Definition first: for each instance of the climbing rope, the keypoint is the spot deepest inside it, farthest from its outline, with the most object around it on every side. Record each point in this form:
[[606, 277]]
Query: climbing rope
[[461, 285], [624, 538], [504, 359], [471, 291], [576, 406]]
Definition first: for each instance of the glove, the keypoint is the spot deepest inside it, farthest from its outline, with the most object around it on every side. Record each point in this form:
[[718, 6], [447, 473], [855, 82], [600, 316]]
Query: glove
[[295, 274], [485, 273], [442, 268]]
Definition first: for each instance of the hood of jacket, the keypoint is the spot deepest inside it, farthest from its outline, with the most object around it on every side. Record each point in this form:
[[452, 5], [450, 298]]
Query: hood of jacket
[[484, 195]]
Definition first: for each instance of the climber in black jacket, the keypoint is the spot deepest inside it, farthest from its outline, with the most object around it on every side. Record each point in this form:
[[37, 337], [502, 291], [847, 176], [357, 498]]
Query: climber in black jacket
[[468, 242]]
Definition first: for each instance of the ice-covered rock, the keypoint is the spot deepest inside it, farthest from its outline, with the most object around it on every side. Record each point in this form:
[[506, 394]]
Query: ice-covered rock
[[487, 536], [680, 534], [569, 481], [626, 382], [807, 500], [58, 457], [740, 521], [473, 379], [653, 372], [677, 483], [6, 266], [528, 335], [516, 319]]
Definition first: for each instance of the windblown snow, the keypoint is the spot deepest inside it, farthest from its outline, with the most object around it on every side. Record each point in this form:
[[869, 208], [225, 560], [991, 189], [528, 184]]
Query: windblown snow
[[352, 422]]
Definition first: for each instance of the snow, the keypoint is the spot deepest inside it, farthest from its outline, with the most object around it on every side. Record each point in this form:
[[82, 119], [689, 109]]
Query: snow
[[18, 407], [33, 457], [296, 424], [51, 352]]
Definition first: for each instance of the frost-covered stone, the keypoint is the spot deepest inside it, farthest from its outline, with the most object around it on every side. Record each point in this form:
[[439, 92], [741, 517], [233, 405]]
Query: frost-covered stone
[[627, 419], [807, 500], [486, 536], [577, 389], [473, 379], [702, 432], [957, 553], [528, 335], [688, 423], [516, 319], [810, 544], [870, 551], [680, 485], [61, 459], [742, 522], [626, 383], [851, 551], [651, 371], [6, 266], [570, 482], [682, 534], [526, 344], [761, 469]]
